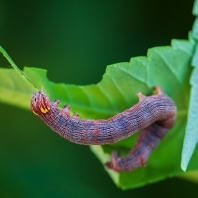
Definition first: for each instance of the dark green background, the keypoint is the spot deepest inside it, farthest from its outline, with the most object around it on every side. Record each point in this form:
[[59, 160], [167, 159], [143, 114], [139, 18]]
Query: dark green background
[[75, 40]]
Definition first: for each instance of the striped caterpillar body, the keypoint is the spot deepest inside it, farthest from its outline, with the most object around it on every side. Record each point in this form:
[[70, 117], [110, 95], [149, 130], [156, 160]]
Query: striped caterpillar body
[[153, 115]]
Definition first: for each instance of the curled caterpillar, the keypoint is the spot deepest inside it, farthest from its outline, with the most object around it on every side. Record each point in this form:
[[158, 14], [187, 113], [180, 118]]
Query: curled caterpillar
[[153, 115]]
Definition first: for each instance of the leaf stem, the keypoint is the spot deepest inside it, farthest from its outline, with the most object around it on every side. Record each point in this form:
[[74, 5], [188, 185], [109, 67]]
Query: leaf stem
[[5, 54]]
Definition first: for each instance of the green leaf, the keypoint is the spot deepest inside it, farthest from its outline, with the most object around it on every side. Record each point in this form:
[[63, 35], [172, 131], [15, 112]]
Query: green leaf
[[14, 89], [165, 66], [191, 176], [191, 136], [195, 8]]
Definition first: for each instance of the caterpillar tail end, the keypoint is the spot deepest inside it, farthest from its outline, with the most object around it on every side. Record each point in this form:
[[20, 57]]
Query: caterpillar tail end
[[114, 164]]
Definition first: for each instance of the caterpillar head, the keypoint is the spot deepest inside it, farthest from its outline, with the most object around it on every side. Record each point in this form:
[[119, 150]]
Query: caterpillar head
[[40, 103]]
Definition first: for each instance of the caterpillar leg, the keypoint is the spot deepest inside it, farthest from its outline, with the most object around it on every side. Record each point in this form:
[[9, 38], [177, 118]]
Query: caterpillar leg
[[158, 90]]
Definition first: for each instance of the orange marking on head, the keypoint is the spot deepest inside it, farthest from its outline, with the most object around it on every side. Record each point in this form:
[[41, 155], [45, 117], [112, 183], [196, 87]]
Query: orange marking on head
[[44, 110], [35, 113]]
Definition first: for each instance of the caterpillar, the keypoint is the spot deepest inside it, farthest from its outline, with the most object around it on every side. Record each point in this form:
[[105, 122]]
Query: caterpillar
[[153, 115]]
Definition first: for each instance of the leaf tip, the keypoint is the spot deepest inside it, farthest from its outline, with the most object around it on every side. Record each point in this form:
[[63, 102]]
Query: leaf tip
[[184, 164], [183, 168]]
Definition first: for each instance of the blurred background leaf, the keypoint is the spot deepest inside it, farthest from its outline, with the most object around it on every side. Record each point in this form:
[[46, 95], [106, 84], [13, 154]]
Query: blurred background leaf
[[75, 41]]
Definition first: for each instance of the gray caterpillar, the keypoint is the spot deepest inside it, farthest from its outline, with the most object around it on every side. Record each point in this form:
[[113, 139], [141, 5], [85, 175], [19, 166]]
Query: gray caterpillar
[[153, 115]]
